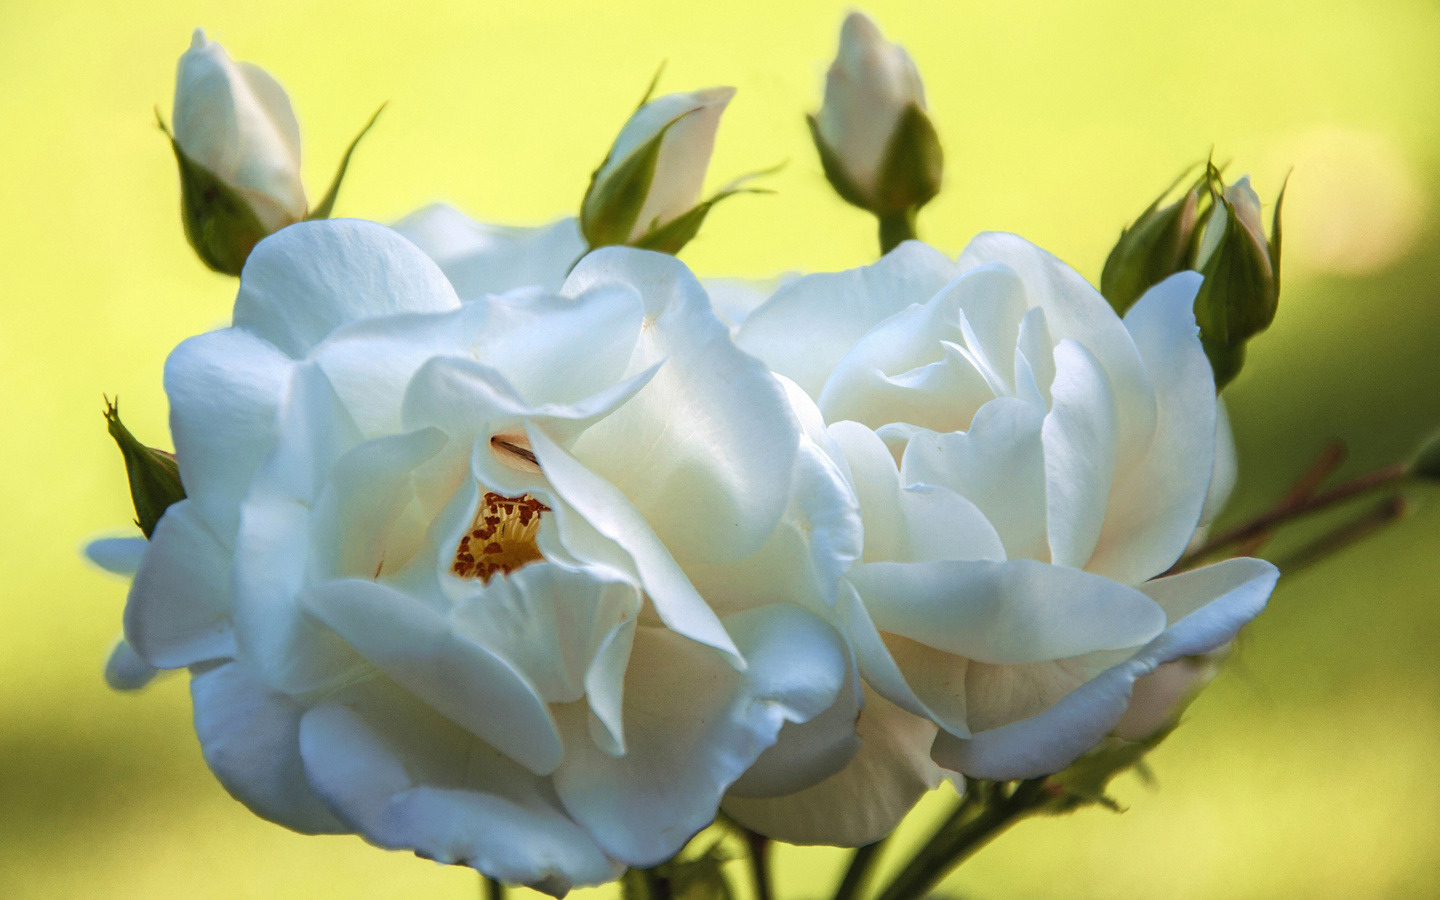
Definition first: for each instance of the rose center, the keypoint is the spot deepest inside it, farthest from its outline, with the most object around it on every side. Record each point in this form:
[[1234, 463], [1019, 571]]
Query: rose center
[[501, 539]]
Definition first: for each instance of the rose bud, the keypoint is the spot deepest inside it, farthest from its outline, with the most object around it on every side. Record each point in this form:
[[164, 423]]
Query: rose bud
[[647, 191], [1152, 249], [876, 144], [238, 145], [1241, 290]]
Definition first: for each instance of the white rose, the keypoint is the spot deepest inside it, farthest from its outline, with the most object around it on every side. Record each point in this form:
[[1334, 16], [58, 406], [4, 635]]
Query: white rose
[[236, 121], [1027, 464], [869, 86], [685, 126], [463, 578], [479, 258]]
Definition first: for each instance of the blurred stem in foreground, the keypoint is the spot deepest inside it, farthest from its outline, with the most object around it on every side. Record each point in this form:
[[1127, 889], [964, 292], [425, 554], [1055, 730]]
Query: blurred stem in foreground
[[759, 846], [1288, 510], [862, 866], [987, 810], [491, 889]]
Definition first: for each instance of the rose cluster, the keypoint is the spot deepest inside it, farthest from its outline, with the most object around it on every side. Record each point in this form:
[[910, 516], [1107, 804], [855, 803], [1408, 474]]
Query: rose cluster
[[526, 549]]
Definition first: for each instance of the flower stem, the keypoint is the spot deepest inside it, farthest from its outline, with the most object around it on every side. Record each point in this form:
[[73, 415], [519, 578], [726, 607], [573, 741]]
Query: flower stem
[[759, 864], [1387, 511], [492, 889], [896, 228], [983, 815], [1287, 511], [862, 866]]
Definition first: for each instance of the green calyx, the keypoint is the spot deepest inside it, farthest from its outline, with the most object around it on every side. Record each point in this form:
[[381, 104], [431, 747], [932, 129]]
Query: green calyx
[[154, 475], [1241, 291], [610, 207], [1154, 247], [909, 178], [219, 224]]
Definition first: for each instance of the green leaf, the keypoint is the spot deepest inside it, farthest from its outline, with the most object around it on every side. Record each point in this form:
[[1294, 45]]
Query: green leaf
[[327, 203], [154, 474], [609, 209], [834, 170], [914, 163], [219, 224], [1426, 461]]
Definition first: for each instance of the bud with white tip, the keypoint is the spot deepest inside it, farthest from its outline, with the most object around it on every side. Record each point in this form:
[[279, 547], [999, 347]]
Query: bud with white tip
[[237, 142], [235, 122], [876, 143], [1241, 291], [647, 191]]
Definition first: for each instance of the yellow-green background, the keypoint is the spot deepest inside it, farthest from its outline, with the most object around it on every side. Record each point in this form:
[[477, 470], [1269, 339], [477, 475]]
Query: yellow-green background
[[1309, 770]]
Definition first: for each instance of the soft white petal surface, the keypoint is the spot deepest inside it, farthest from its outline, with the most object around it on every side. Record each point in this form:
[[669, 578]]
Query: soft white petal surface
[[480, 258], [406, 778], [177, 612], [1156, 505], [250, 736], [693, 725], [303, 282], [809, 325], [1205, 608]]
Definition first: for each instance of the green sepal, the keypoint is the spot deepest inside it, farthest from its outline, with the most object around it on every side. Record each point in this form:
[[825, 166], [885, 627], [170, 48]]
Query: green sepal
[[608, 211], [154, 475], [834, 170], [1087, 781], [327, 203], [679, 231], [1154, 247], [1275, 234], [219, 224], [914, 163]]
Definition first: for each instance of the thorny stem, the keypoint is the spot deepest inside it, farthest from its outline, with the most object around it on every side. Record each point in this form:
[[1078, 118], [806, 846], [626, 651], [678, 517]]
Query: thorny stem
[[759, 863], [983, 815], [862, 866], [1285, 512]]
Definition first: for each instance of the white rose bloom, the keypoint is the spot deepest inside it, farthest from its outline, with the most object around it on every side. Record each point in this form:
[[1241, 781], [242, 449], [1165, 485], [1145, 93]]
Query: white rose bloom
[[236, 121], [689, 122], [1028, 465], [444, 572], [868, 87], [480, 258]]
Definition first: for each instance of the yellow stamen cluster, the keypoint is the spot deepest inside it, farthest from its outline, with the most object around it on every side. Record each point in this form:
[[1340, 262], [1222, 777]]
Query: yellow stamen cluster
[[501, 539]]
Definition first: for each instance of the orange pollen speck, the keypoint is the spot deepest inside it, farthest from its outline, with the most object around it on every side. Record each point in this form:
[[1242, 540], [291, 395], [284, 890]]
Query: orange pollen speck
[[501, 539]]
